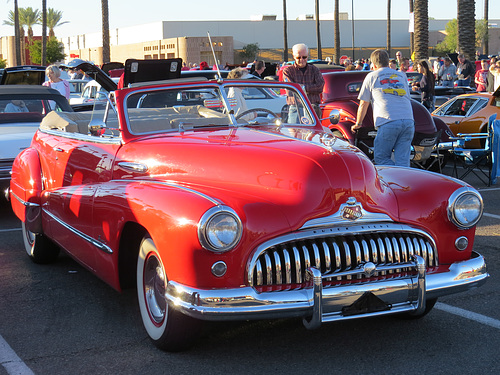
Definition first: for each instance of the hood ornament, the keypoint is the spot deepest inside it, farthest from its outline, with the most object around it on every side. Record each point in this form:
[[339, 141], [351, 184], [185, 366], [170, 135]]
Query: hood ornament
[[351, 210]]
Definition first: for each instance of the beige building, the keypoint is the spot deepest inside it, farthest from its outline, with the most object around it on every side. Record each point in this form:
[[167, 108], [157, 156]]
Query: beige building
[[189, 49]]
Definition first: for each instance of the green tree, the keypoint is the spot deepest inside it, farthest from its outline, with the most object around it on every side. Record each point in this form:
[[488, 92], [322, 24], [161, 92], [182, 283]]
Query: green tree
[[3, 63], [54, 18], [250, 51], [55, 51], [30, 17], [14, 19], [450, 42]]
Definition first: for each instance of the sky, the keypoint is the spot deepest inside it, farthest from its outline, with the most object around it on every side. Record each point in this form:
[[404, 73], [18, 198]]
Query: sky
[[85, 17]]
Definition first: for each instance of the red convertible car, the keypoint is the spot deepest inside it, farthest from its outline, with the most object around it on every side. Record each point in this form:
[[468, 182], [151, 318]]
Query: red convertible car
[[218, 212]]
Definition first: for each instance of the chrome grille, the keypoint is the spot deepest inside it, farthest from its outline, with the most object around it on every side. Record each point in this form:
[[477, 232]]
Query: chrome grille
[[5, 168], [337, 250]]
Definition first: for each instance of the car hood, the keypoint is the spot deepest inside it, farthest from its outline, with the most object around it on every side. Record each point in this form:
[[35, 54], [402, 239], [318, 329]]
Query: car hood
[[288, 168], [93, 71], [15, 138]]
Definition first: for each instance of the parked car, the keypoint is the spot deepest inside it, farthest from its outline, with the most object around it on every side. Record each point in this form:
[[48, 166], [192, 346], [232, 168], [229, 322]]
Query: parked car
[[214, 217], [23, 75], [469, 113], [22, 108], [341, 94], [76, 87]]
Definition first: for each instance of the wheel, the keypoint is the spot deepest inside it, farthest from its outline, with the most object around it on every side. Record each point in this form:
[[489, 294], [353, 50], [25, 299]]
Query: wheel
[[429, 304], [40, 249], [256, 110], [168, 328]]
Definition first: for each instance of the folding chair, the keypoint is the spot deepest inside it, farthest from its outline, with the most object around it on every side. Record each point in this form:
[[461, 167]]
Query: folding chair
[[477, 161], [425, 151]]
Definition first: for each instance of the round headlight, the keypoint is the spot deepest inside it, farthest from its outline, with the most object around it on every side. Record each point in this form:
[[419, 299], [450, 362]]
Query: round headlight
[[219, 229], [465, 207]]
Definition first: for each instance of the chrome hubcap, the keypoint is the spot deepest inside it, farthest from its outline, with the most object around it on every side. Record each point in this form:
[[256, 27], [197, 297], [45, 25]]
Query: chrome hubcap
[[154, 289]]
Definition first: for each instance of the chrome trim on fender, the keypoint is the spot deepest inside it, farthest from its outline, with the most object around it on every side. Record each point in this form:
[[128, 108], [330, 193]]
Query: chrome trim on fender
[[22, 201], [399, 294], [94, 242], [177, 186]]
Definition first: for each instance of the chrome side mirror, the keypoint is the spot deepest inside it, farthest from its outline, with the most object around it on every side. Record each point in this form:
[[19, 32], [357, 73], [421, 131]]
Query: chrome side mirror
[[334, 117]]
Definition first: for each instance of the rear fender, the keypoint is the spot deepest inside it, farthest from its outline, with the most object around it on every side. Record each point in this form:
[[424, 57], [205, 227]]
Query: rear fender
[[26, 187]]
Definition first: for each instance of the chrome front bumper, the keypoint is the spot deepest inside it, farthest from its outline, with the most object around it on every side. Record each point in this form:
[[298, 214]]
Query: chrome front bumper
[[317, 304]]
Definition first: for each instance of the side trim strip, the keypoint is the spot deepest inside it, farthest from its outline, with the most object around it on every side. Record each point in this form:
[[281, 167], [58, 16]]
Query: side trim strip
[[98, 244], [23, 202], [177, 186]]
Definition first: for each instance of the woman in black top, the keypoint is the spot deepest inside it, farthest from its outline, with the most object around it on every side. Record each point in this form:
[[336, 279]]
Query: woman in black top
[[426, 85]]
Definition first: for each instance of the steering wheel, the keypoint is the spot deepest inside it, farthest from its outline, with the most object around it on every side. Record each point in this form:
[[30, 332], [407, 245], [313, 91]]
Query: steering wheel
[[256, 110]]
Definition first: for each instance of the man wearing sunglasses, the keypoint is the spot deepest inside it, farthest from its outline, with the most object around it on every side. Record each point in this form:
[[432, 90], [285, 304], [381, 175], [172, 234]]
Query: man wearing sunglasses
[[305, 74]]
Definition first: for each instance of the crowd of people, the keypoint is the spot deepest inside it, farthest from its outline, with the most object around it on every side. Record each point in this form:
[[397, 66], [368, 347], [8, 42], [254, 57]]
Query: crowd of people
[[392, 114]]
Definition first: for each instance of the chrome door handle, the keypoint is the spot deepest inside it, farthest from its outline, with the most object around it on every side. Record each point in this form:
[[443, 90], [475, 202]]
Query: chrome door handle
[[57, 149]]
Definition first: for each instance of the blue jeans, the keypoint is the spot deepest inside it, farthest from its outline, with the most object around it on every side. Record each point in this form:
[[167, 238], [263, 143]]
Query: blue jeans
[[394, 136], [447, 83], [464, 82]]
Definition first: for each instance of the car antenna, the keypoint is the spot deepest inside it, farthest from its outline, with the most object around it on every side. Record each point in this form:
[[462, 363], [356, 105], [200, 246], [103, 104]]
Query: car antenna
[[219, 76]]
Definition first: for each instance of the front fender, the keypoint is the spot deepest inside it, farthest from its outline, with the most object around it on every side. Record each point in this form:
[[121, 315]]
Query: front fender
[[169, 214], [26, 187], [428, 211]]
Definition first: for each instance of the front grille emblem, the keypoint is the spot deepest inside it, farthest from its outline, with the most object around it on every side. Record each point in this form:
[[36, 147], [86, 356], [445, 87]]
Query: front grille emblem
[[351, 210]]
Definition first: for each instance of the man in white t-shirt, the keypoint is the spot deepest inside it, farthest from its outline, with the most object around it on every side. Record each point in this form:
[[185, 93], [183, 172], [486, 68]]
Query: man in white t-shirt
[[387, 91]]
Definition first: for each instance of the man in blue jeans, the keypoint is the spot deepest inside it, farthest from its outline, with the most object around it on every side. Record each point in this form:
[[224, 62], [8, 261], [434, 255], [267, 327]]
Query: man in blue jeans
[[387, 91]]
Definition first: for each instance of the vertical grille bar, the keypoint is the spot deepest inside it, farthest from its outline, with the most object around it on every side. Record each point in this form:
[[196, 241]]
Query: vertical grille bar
[[277, 261], [298, 270], [317, 258], [288, 267], [328, 260], [307, 258], [373, 246], [269, 270], [258, 271]]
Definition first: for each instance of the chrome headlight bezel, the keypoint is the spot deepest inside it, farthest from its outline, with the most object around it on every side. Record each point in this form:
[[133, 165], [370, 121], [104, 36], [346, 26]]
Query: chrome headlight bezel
[[459, 214], [208, 229]]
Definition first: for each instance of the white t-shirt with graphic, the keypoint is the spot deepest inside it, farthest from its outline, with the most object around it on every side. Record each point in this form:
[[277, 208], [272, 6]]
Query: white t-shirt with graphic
[[388, 92]]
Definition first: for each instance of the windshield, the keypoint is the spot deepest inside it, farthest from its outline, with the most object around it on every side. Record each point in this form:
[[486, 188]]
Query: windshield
[[232, 104]]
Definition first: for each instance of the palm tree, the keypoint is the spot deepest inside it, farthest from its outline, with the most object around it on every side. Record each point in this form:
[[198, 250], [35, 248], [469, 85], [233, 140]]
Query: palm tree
[[44, 33], [30, 17], [486, 36], [421, 33], [318, 36], [53, 20], [337, 33], [285, 33], [389, 27], [412, 33], [466, 28], [13, 20], [105, 32]]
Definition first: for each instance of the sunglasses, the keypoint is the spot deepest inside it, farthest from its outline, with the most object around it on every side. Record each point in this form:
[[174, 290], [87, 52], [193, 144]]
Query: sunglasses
[[300, 57]]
